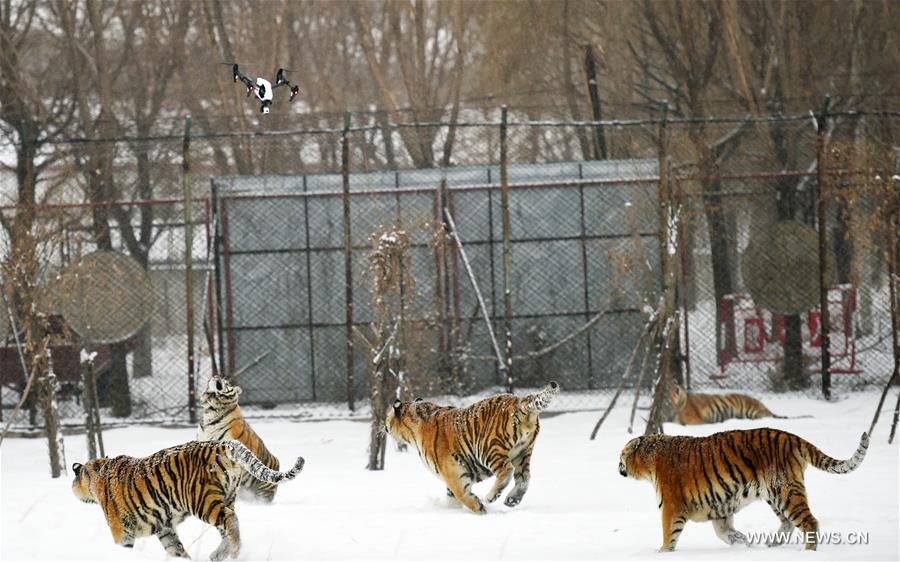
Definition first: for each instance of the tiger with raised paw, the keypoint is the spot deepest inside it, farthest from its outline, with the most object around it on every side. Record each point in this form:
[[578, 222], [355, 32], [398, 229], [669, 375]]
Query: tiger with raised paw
[[222, 419], [464, 446]]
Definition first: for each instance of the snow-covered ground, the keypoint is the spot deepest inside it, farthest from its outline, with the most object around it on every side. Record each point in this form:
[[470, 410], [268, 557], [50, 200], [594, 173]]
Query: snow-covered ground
[[578, 507]]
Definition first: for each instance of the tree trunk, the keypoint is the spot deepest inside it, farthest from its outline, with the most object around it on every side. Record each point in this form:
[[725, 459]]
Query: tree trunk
[[117, 390], [722, 266], [794, 376], [47, 386]]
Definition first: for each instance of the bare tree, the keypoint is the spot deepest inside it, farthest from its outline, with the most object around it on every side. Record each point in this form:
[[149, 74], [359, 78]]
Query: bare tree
[[679, 51], [121, 83], [427, 43], [774, 49]]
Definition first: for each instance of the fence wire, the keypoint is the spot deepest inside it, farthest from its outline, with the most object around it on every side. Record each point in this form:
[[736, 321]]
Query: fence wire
[[270, 272]]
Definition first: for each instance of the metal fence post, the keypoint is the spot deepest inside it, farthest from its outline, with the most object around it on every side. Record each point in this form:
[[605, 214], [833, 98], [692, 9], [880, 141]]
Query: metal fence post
[[584, 274], [309, 287], [504, 206], [682, 249], [348, 256], [217, 273], [188, 266], [821, 139]]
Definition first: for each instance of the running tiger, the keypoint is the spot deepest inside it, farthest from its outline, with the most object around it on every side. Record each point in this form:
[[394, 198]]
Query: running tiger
[[150, 496], [464, 446], [222, 419], [695, 409], [712, 478]]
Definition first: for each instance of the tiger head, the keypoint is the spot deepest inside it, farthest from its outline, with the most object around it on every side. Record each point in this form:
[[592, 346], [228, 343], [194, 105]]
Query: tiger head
[[404, 419], [220, 391], [677, 395], [84, 477], [636, 460]]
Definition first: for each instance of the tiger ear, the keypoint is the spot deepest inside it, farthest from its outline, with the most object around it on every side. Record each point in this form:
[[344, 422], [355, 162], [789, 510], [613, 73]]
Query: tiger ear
[[419, 399], [397, 405], [238, 390], [676, 393], [76, 467]]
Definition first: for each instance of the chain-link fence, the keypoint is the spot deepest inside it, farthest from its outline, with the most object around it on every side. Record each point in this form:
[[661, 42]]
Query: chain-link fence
[[558, 223], [130, 311]]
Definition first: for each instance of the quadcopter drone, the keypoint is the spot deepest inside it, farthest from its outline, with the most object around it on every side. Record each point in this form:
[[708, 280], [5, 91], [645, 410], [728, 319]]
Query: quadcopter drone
[[263, 88]]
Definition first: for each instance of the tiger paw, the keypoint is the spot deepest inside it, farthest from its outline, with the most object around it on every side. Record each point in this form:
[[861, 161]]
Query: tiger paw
[[512, 501], [493, 498], [737, 537]]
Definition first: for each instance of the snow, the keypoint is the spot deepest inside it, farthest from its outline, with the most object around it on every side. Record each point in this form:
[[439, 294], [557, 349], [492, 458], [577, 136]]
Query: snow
[[578, 507]]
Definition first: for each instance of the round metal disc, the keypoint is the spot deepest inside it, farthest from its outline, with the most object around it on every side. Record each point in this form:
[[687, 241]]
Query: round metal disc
[[105, 297], [781, 268]]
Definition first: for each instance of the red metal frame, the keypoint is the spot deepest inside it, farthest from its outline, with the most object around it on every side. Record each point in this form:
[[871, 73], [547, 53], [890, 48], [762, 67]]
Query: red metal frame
[[757, 348]]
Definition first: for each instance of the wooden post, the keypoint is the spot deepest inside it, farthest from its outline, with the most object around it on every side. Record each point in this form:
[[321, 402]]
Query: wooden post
[[87, 366], [348, 258], [47, 385], [668, 328], [821, 157], [189, 267], [507, 281]]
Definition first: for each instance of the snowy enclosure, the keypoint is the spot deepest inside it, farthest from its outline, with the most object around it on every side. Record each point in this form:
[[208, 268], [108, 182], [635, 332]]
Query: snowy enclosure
[[577, 507]]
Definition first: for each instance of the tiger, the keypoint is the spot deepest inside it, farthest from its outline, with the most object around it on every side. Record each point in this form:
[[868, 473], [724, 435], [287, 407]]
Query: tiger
[[222, 419], [152, 495], [694, 409], [464, 446], [712, 478]]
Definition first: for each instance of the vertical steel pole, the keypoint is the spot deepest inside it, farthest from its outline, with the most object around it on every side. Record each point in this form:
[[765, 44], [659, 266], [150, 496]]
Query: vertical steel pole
[[188, 265], [507, 287], [679, 198], [822, 132], [309, 289], [217, 273], [584, 276], [442, 284], [348, 257]]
